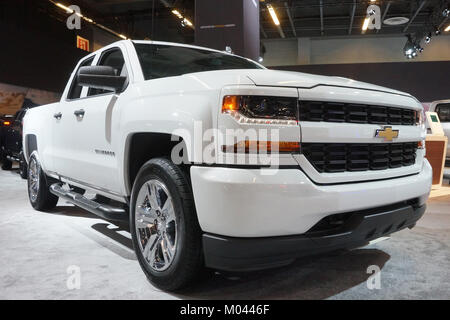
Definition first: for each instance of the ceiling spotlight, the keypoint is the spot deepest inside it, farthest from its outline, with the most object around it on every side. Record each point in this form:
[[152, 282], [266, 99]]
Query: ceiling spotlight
[[448, 28], [446, 13], [260, 59], [428, 38], [437, 31], [409, 49], [420, 49]]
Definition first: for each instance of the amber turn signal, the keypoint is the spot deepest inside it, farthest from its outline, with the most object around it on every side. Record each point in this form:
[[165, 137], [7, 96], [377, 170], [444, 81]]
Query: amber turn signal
[[263, 147], [230, 103]]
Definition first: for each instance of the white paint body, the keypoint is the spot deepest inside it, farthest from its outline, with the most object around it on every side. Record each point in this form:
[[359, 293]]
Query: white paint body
[[240, 202]]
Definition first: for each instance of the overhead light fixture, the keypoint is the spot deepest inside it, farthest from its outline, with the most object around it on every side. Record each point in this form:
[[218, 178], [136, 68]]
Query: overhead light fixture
[[273, 14], [409, 49], [187, 22], [64, 7], [428, 38], [448, 28], [396, 21], [446, 12], [184, 21], [437, 31], [177, 13], [260, 59], [365, 24], [70, 11]]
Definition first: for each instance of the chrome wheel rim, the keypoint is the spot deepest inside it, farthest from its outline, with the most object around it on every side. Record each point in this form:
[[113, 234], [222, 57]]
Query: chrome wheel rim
[[33, 176], [156, 226]]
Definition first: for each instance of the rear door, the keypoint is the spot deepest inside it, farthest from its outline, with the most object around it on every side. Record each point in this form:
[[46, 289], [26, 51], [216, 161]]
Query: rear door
[[65, 145]]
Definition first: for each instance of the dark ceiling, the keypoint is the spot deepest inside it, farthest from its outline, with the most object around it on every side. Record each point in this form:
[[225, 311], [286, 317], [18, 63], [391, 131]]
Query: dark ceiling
[[153, 19], [314, 18]]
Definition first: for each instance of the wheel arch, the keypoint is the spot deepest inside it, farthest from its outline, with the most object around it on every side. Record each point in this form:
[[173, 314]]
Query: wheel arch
[[143, 146]]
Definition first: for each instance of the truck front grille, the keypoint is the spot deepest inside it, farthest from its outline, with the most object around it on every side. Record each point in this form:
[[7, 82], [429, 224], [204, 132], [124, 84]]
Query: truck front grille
[[356, 113], [340, 157]]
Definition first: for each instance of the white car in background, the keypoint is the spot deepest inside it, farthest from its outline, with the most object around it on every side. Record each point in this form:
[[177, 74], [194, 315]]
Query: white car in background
[[442, 108], [346, 158]]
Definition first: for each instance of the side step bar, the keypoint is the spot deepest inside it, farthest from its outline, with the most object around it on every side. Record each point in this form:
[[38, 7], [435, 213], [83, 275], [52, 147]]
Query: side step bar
[[102, 210]]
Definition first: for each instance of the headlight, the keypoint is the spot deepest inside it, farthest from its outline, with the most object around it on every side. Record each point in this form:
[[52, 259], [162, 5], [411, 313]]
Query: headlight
[[261, 107]]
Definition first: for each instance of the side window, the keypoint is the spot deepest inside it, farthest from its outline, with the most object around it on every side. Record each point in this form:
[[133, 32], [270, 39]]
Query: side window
[[111, 58], [443, 111], [75, 88]]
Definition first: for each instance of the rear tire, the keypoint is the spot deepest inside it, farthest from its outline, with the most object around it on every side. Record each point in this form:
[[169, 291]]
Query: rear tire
[[38, 187], [167, 240]]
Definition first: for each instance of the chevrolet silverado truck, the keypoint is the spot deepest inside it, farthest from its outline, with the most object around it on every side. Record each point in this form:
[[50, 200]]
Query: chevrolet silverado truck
[[218, 162]]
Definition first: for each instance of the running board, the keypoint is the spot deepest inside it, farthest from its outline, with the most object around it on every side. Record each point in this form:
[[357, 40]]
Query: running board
[[102, 210]]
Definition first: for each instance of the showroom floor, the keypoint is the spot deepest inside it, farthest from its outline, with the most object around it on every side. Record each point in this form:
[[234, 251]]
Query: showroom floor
[[39, 249]]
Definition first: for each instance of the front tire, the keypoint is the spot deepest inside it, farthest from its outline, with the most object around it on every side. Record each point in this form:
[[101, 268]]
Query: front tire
[[38, 187], [164, 227]]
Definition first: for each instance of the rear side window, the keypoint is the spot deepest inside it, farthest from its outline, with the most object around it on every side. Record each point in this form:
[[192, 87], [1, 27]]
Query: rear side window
[[443, 111], [75, 88], [111, 58]]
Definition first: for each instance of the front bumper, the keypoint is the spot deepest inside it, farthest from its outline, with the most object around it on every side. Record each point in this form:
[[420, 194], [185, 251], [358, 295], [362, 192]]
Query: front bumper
[[254, 203], [245, 254]]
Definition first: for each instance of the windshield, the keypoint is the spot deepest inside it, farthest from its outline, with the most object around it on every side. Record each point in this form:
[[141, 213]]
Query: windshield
[[159, 61]]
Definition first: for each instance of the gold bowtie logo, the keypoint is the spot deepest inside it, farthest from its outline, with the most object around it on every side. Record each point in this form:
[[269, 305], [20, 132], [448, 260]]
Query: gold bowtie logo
[[387, 133]]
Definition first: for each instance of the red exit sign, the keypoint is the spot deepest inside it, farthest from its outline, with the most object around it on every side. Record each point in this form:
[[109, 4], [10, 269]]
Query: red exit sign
[[82, 43]]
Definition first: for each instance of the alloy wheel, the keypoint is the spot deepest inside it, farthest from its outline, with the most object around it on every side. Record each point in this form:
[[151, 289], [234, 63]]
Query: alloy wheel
[[156, 226]]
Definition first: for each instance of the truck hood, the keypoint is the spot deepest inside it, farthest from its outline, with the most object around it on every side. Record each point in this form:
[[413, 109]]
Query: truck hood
[[305, 80]]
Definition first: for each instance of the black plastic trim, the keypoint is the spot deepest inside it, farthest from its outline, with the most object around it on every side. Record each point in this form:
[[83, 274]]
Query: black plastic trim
[[246, 254]]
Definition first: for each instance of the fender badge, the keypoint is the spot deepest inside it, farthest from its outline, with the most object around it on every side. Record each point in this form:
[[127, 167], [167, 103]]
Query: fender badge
[[387, 133]]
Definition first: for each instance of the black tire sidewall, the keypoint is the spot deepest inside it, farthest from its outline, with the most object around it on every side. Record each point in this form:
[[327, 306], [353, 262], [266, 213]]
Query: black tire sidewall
[[168, 278], [44, 200], [23, 168]]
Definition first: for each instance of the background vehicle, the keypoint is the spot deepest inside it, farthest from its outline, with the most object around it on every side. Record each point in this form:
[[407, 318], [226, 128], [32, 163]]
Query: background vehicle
[[5, 121], [11, 143], [349, 162], [442, 108]]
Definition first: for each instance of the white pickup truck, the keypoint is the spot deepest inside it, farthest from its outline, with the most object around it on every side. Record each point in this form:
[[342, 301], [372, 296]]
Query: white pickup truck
[[218, 162]]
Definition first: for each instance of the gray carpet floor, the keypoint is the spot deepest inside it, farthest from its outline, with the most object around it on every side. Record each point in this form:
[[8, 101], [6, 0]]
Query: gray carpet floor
[[39, 250]]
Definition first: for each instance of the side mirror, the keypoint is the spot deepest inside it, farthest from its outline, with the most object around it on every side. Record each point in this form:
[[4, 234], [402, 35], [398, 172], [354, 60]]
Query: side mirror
[[100, 77]]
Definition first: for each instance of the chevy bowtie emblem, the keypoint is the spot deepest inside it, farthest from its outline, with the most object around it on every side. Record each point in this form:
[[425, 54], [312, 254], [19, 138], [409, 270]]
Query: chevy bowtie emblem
[[387, 133]]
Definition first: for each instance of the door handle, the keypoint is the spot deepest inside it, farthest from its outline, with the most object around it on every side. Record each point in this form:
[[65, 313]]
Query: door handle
[[57, 116], [79, 113]]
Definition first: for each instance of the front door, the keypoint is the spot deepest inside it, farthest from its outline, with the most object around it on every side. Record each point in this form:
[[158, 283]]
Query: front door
[[86, 151]]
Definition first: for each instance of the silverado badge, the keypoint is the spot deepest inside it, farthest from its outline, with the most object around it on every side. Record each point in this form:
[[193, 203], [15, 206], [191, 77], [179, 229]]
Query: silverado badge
[[387, 133]]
